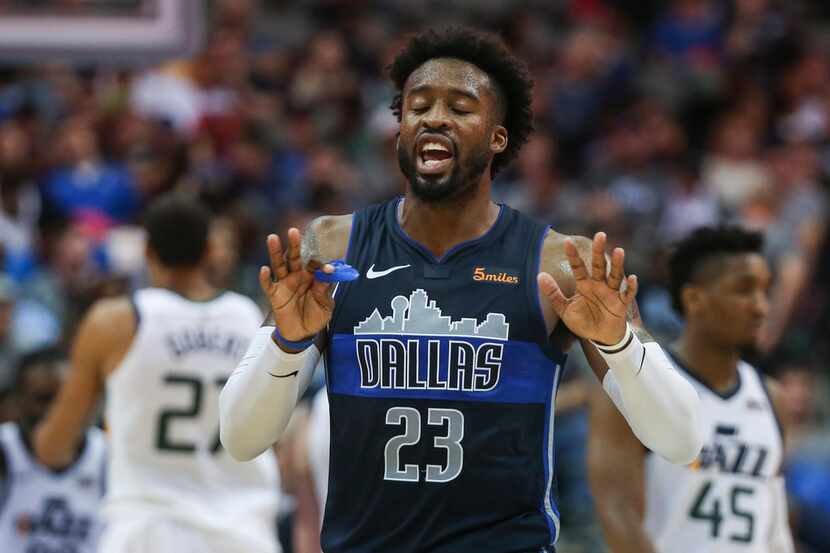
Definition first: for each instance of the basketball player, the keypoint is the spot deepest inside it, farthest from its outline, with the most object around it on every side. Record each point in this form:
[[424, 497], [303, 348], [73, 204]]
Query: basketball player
[[440, 368], [731, 498], [45, 509], [162, 357], [317, 446]]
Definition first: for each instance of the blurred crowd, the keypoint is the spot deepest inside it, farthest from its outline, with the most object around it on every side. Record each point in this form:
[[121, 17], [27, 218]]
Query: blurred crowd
[[652, 118]]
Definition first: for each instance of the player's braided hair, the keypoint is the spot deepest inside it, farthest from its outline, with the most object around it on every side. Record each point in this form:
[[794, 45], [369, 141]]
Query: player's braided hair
[[487, 52], [703, 245]]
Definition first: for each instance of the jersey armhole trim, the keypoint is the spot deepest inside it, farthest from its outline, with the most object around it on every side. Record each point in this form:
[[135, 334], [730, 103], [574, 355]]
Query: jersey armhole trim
[[534, 268], [347, 252], [5, 480], [775, 416], [136, 312], [113, 375], [356, 217], [351, 237]]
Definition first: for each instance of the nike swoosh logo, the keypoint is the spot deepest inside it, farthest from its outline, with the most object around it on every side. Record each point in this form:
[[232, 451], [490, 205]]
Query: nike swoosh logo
[[371, 273]]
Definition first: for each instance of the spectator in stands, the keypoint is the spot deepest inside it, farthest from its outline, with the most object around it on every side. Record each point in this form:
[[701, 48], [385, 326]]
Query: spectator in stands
[[86, 187]]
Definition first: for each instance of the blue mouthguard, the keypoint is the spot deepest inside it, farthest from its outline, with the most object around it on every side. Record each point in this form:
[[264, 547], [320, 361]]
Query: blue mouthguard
[[343, 272]]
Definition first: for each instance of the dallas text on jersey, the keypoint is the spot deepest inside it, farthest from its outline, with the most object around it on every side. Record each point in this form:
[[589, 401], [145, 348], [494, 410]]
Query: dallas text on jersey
[[461, 355]]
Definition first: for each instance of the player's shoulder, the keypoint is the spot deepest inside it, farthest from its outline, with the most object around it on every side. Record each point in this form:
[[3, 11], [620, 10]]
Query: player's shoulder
[[772, 388], [554, 245], [555, 262], [109, 325], [331, 225], [755, 376], [327, 237], [115, 313]]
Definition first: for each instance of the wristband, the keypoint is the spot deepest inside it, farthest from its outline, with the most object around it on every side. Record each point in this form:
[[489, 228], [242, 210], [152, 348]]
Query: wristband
[[626, 340], [282, 341], [628, 356]]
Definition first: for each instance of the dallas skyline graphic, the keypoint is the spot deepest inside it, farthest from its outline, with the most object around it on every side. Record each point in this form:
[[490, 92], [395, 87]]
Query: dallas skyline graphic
[[419, 315]]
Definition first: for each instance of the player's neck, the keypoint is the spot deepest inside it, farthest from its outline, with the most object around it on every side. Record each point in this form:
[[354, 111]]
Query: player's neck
[[441, 226], [714, 364], [191, 284]]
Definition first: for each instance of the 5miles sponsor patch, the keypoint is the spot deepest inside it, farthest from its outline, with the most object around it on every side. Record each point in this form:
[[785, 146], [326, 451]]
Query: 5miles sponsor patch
[[498, 275]]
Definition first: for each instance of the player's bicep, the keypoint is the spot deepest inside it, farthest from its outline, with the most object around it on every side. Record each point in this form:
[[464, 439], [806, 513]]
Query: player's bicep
[[68, 416], [84, 382]]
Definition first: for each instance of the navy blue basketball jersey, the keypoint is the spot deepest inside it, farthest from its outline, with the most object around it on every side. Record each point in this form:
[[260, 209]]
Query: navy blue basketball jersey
[[441, 385]]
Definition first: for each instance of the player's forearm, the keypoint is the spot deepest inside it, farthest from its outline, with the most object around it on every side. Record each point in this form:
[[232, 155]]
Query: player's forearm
[[622, 527], [56, 438], [662, 407], [259, 397]]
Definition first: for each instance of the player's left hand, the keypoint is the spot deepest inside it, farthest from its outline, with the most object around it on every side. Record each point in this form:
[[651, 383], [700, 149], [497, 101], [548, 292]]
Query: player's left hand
[[597, 310]]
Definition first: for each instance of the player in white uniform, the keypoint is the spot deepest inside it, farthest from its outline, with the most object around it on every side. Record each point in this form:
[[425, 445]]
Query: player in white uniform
[[731, 499], [318, 438], [163, 357], [44, 510], [311, 474]]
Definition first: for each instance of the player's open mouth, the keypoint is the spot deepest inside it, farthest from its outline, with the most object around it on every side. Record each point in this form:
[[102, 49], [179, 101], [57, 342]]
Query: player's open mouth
[[435, 154]]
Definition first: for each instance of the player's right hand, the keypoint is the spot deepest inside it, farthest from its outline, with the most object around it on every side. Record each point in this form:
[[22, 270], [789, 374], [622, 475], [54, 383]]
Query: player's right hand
[[301, 305]]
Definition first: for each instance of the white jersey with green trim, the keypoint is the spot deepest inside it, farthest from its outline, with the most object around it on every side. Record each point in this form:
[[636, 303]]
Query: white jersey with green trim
[[48, 511], [162, 413], [726, 500]]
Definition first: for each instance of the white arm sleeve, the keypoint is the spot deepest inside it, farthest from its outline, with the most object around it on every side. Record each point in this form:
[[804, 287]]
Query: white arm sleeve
[[780, 537], [661, 407], [257, 401]]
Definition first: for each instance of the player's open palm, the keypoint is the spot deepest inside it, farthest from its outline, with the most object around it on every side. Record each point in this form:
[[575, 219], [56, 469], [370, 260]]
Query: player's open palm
[[301, 306], [599, 307]]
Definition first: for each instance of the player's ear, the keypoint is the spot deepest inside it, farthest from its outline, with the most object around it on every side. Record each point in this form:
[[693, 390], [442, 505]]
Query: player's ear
[[691, 297], [498, 140], [211, 246]]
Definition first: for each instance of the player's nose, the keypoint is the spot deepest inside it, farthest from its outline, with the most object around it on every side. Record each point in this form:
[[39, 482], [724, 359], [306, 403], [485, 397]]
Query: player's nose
[[438, 117], [760, 304]]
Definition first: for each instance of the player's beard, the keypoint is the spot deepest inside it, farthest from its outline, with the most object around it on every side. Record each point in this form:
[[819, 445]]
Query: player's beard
[[460, 184]]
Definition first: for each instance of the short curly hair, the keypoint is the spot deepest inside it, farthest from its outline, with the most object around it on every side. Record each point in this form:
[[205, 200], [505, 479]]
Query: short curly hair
[[487, 52], [703, 245], [177, 228]]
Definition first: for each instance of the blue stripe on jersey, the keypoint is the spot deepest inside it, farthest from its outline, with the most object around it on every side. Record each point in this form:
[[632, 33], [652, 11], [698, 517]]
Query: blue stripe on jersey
[[548, 507], [441, 367]]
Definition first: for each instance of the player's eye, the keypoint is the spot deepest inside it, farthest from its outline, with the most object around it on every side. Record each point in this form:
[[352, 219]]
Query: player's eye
[[747, 288]]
